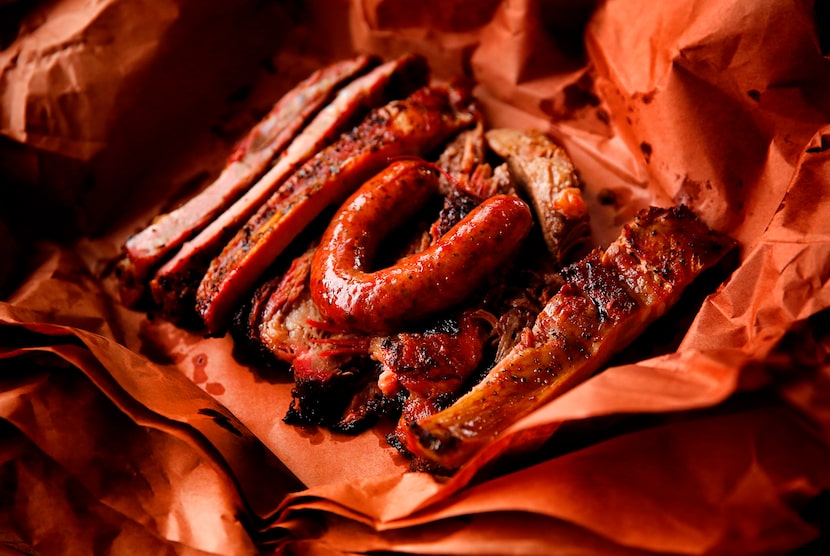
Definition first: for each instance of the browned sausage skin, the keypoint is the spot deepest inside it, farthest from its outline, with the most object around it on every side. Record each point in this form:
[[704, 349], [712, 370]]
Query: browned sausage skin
[[443, 275], [413, 126]]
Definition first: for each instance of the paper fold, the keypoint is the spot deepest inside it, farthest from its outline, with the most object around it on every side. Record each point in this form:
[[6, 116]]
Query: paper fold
[[709, 436]]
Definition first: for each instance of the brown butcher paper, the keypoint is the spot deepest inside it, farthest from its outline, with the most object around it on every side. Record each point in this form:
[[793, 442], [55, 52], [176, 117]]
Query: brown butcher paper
[[123, 433]]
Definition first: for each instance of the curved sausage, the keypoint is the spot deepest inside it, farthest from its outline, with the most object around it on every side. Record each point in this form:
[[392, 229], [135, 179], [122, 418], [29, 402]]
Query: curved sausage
[[444, 274]]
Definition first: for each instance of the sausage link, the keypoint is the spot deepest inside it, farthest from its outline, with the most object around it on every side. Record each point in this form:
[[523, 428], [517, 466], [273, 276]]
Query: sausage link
[[443, 275]]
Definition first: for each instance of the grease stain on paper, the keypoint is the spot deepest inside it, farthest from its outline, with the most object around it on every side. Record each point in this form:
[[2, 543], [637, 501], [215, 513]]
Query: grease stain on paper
[[617, 198], [199, 364], [646, 150], [200, 376], [313, 434], [577, 101], [214, 388]]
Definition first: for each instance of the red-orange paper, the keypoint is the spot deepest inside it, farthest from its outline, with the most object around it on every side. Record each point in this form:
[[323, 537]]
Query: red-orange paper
[[124, 434]]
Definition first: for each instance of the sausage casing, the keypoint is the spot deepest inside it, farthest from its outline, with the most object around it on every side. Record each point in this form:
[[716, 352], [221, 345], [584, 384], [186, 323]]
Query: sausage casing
[[349, 293]]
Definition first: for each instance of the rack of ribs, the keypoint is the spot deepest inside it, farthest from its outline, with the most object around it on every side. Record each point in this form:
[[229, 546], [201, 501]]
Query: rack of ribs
[[607, 300]]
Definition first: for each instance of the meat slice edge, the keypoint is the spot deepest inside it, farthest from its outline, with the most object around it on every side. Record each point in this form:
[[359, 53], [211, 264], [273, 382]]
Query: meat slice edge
[[414, 126], [147, 249], [175, 282]]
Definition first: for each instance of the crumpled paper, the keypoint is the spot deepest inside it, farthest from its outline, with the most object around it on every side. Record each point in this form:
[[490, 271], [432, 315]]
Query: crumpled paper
[[87, 88], [124, 433]]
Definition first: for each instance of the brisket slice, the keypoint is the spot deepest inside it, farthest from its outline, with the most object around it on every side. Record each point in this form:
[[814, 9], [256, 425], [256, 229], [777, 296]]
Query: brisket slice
[[252, 156]]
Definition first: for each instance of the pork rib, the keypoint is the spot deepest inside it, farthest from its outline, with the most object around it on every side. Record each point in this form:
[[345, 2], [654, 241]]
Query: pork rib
[[147, 249], [413, 126], [607, 300], [174, 284]]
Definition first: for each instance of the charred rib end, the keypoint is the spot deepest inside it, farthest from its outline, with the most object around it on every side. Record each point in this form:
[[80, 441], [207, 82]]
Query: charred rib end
[[438, 449], [432, 442]]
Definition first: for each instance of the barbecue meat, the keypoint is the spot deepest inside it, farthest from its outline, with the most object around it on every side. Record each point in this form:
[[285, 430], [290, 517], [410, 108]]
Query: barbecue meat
[[545, 172], [413, 126], [175, 283], [430, 366], [607, 300], [146, 250]]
